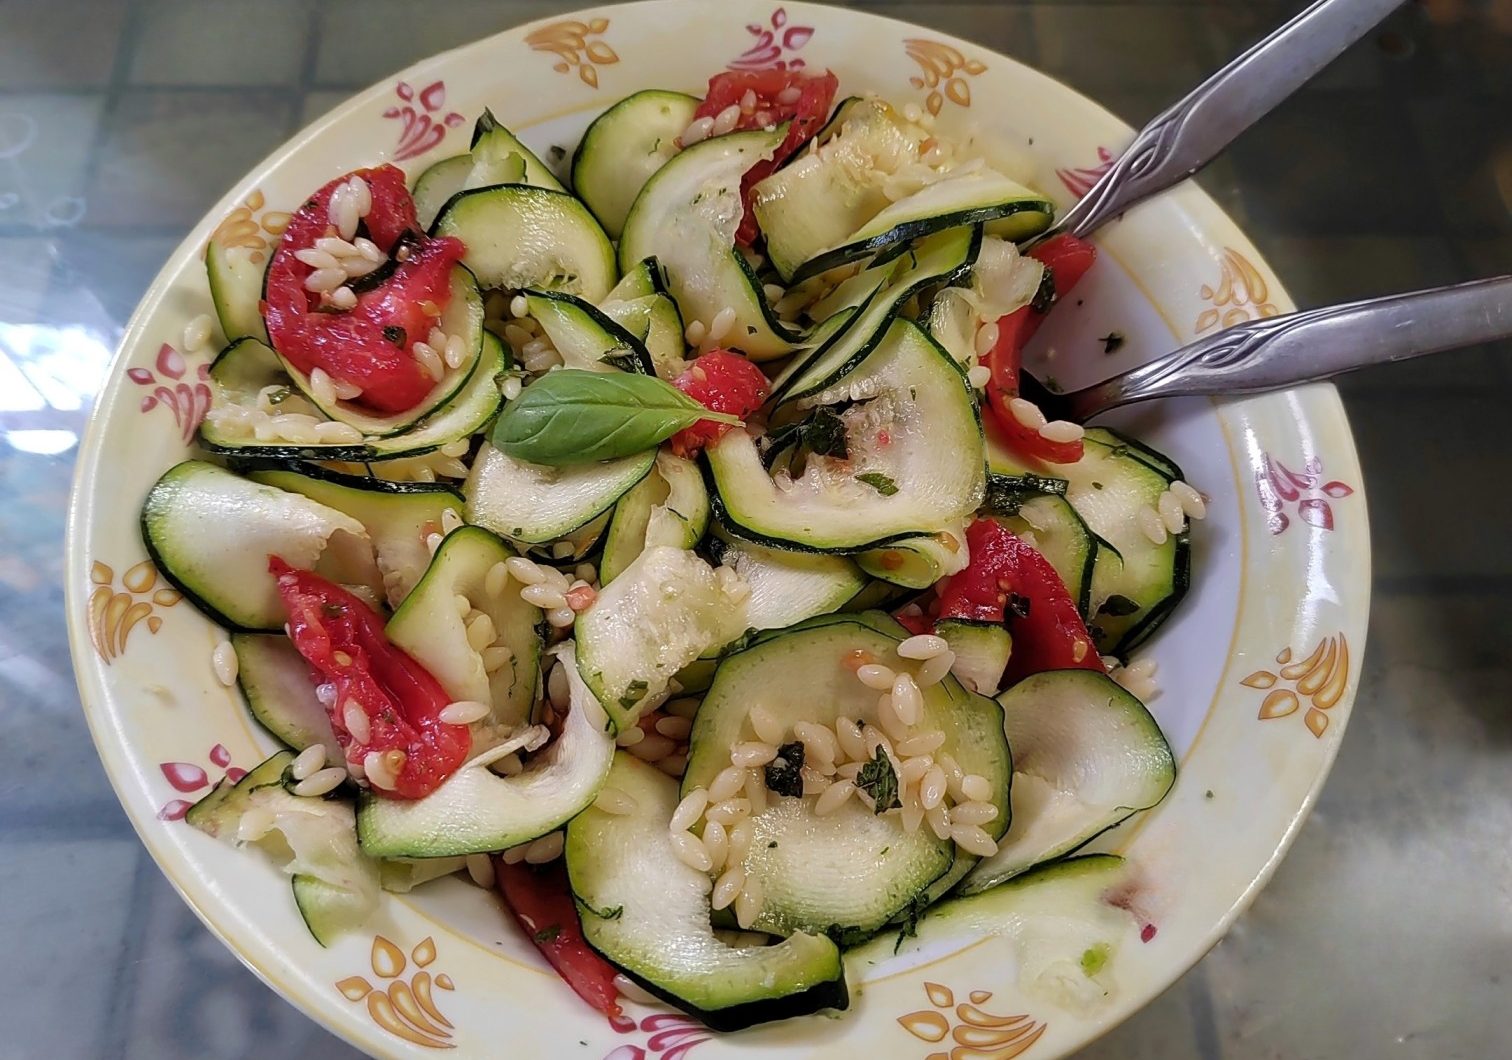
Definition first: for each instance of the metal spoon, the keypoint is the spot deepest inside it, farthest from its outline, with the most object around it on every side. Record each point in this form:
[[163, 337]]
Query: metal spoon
[[1191, 132], [1274, 353]]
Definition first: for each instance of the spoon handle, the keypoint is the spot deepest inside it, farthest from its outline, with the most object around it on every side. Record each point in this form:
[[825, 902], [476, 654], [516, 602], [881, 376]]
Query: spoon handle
[[1273, 353], [1190, 133]]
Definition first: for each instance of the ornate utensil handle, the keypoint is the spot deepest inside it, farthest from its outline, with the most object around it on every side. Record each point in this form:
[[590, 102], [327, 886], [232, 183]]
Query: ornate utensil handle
[[1273, 353], [1191, 133]]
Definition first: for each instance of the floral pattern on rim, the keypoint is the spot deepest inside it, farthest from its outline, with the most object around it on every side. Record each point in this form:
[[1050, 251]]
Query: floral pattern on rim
[[420, 131], [1079, 180], [1320, 679], [188, 778], [188, 401], [568, 41], [1241, 294], [773, 45], [943, 67], [243, 228], [672, 1037], [975, 1032], [406, 1008], [114, 613], [1278, 486]]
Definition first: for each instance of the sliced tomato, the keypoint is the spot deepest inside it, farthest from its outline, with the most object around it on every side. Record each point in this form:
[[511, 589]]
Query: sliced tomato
[[541, 900], [367, 346], [1068, 259], [1009, 581], [342, 639], [808, 109], [721, 381]]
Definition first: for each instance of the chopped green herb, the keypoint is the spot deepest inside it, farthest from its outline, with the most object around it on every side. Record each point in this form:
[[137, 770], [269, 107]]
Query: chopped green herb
[[279, 395], [1019, 605], [884, 850], [1118, 606], [823, 434], [772, 845], [621, 358], [878, 780], [1044, 297], [1095, 959], [784, 773], [1112, 342], [394, 334], [548, 934], [556, 153], [1098, 486], [911, 914], [635, 691], [613, 912], [1208, 794], [879, 482]]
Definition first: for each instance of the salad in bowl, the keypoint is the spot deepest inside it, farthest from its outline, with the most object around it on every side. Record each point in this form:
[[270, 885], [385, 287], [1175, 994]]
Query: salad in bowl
[[667, 535]]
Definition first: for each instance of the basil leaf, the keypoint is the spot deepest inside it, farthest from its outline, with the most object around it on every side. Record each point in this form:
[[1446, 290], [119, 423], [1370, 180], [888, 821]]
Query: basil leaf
[[879, 781], [879, 482], [784, 774], [572, 416]]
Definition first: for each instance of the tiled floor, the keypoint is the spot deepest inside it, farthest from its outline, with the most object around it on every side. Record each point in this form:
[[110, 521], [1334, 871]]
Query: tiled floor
[[1387, 932]]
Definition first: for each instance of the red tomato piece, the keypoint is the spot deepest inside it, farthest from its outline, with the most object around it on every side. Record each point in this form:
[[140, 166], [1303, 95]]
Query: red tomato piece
[[342, 639], [542, 904], [369, 345], [1009, 581], [808, 109], [1068, 260], [721, 381]]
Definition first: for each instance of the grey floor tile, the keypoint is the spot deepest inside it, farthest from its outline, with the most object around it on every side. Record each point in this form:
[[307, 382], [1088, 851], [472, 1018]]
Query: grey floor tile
[[1111, 50], [199, 1000], [103, 275], [1394, 880], [1231, 28], [63, 943], [193, 42], [1419, 447], [1335, 163], [44, 152], [26, 267], [318, 102], [1467, 144], [168, 155], [58, 43], [358, 42], [1005, 28]]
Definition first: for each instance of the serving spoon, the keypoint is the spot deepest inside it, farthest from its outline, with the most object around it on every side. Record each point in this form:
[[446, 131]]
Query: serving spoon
[[1190, 133], [1274, 353]]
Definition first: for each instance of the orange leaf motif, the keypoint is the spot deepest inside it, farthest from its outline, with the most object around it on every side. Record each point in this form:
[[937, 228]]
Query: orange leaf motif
[[568, 40], [977, 1034], [942, 68], [1319, 680], [405, 1008], [1241, 294]]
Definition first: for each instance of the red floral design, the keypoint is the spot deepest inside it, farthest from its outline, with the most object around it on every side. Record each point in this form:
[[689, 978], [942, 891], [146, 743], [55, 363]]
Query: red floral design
[[1279, 486], [1079, 181], [188, 401], [189, 778], [419, 132], [772, 45], [672, 1037]]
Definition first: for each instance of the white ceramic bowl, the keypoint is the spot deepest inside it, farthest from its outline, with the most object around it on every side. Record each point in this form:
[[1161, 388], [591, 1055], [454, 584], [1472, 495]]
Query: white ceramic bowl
[[1258, 666]]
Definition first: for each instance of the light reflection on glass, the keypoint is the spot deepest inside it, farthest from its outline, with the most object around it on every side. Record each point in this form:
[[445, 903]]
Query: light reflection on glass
[[43, 443]]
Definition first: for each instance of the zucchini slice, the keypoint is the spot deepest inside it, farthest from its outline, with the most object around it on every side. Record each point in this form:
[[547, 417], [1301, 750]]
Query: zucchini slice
[[918, 562], [532, 503], [398, 516], [439, 182], [236, 287], [847, 874], [476, 810], [280, 693], [430, 626], [1011, 210], [662, 612], [686, 217], [1062, 537], [210, 532], [587, 337], [492, 140], [938, 259], [1135, 583], [928, 473], [463, 316], [1087, 755], [787, 587], [981, 651], [247, 367], [1065, 930], [624, 147], [670, 506], [335, 888], [648, 913], [520, 236], [640, 280]]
